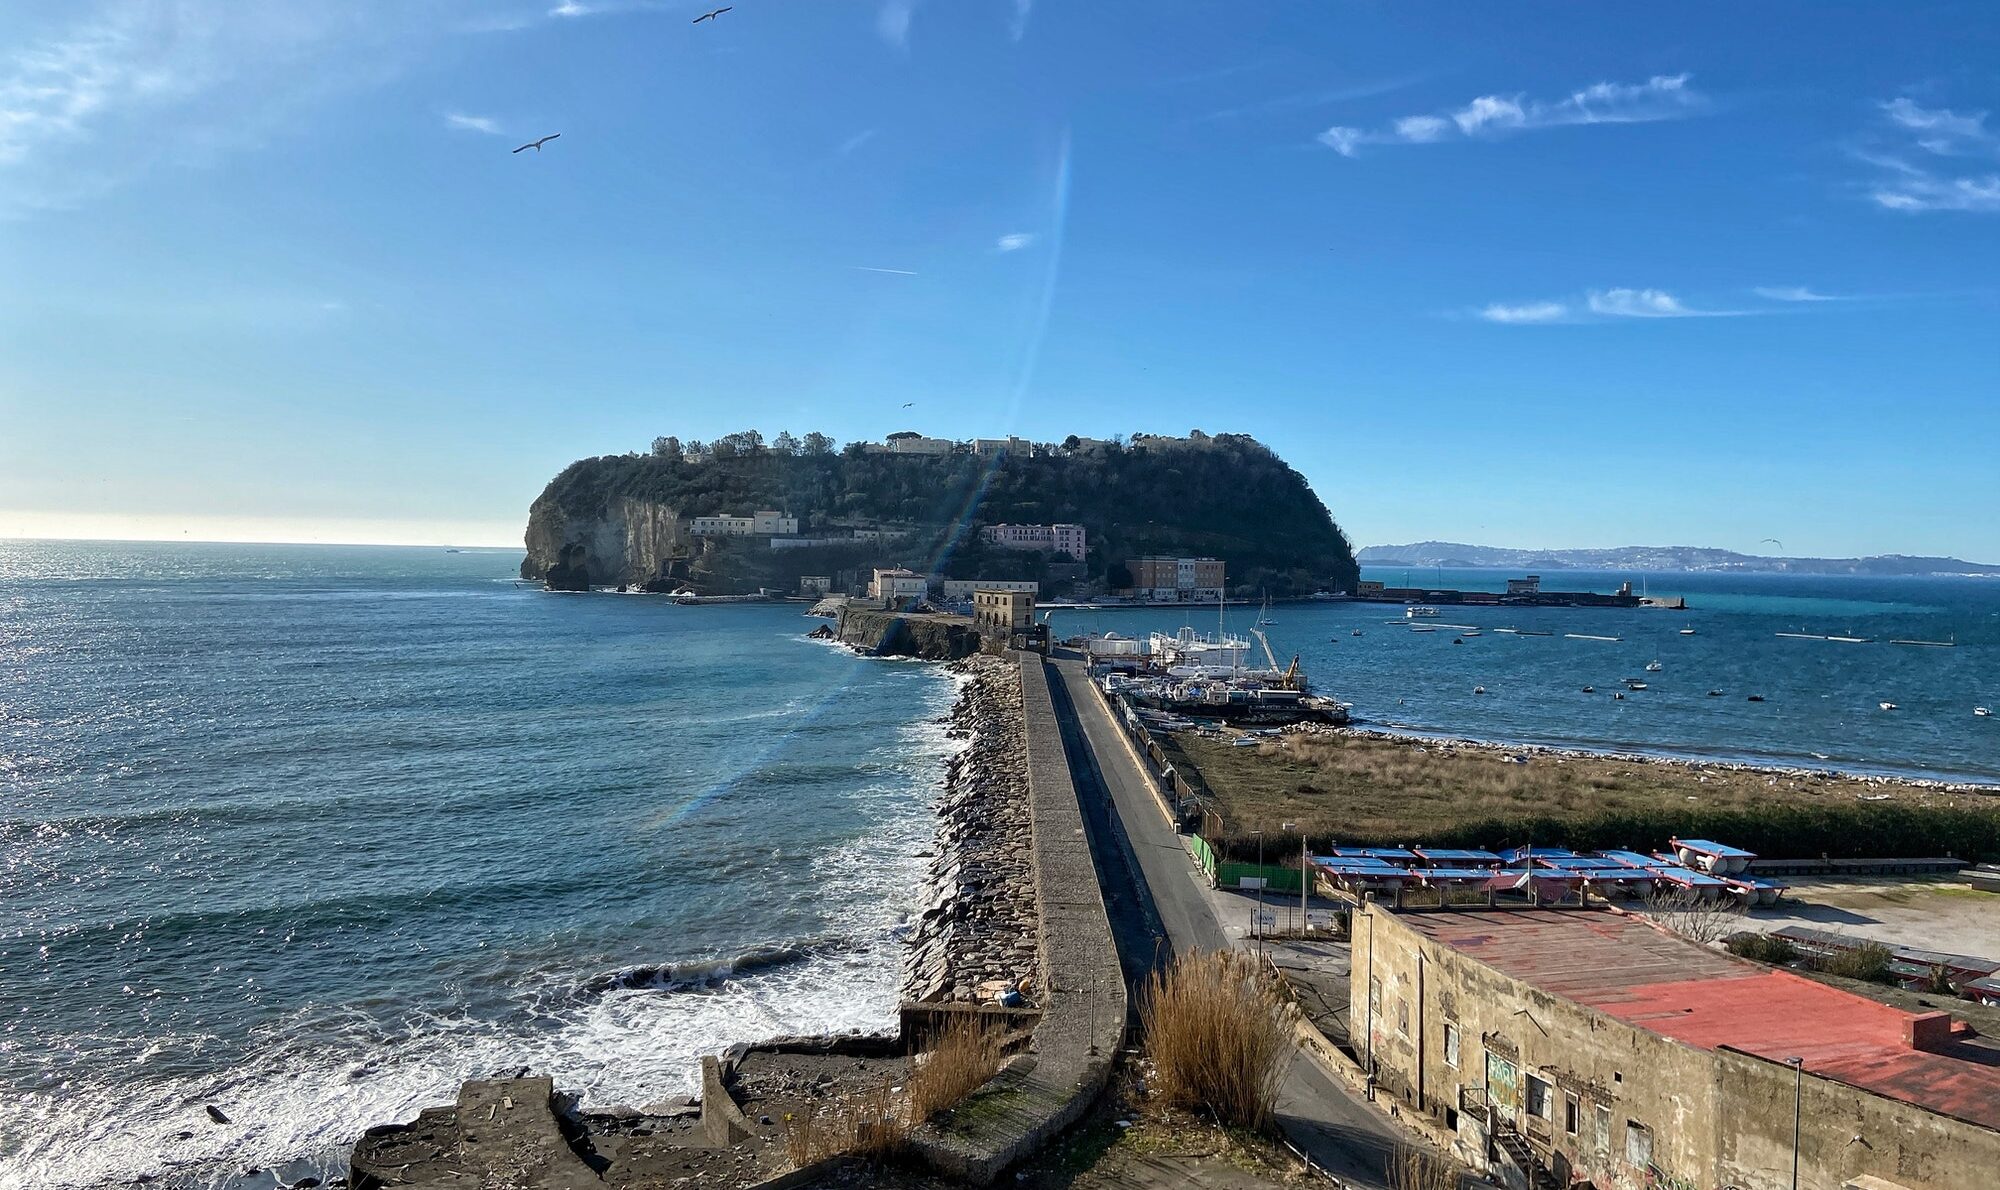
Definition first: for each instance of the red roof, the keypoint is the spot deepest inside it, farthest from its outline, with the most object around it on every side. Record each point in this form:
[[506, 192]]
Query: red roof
[[1625, 968]]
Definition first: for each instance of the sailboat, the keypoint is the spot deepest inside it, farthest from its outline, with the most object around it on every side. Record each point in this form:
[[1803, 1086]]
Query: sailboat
[[1654, 666], [1264, 619]]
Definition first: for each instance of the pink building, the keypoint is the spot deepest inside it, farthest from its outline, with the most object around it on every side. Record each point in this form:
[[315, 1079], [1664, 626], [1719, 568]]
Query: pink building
[[1060, 539]]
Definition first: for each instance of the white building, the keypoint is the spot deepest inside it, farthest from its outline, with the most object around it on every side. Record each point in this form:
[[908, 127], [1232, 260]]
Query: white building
[[959, 590], [765, 523], [1008, 445], [1060, 539], [921, 446], [815, 585], [898, 584]]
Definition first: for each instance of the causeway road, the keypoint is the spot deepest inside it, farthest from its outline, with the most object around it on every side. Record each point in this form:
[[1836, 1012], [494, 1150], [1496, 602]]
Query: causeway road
[[1162, 895]]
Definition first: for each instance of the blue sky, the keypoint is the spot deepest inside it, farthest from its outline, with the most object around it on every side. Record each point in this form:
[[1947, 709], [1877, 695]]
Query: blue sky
[[1525, 274]]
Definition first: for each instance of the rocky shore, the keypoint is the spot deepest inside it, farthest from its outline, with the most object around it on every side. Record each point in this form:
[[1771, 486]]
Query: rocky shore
[[974, 939]]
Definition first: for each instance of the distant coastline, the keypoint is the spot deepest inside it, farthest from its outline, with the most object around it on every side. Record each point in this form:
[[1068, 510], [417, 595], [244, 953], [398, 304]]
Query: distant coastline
[[1670, 558]]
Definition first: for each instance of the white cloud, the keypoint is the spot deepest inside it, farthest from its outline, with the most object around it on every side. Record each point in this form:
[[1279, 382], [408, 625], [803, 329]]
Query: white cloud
[[570, 8], [1925, 157], [1018, 27], [1525, 313], [1662, 97], [465, 123], [1342, 139], [1648, 303], [1793, 293], [856, 141], [1422, 129], [1015, 241], [892, 21]]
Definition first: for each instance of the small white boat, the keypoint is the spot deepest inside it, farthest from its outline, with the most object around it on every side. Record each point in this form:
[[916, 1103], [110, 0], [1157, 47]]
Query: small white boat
[[1356, 632], [1243, 741], [1634, 684], [1687, 632], [1423, 628], [1982, 712], [1653, 667], [1420, 610], [1887, 706], [1479, 689]]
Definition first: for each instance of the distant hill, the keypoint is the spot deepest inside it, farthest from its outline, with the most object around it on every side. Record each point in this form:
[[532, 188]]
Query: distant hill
[[1658, 557], [625, 519]]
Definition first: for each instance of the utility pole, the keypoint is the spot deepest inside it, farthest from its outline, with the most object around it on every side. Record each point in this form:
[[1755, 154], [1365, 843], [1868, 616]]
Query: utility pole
[[1258, 921], [1798, 1066]]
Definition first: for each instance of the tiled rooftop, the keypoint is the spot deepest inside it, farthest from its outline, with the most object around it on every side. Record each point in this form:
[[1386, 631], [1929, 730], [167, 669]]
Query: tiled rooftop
[[1625, 968]]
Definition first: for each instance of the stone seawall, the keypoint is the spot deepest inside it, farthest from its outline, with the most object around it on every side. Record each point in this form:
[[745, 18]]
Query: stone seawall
[[975, 936], [1084, 1005]]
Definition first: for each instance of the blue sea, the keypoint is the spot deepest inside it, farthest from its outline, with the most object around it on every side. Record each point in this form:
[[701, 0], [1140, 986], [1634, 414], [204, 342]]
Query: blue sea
[[313, 834], [1822, 698]]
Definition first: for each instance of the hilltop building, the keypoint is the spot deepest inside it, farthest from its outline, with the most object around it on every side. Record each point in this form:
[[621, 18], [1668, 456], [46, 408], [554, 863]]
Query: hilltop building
[[767, 523], [1060, 539], [959, 590], [1176, 580], [1593, 1048], [1008, 445]]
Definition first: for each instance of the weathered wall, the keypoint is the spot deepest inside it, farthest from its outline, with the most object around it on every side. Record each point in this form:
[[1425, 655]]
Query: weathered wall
[[1718, 1119]]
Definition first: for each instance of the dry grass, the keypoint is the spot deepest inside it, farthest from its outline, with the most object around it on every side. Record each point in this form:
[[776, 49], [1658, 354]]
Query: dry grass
[[963, 1056], [1414, 1169], [874, 1124], [1219, 1037], [1361, 788]]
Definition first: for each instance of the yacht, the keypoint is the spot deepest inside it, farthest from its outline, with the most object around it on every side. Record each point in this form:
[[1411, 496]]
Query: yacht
[[1687, 632], [1419, 610], [1887, 706], [1982, 712], [1653, 667]]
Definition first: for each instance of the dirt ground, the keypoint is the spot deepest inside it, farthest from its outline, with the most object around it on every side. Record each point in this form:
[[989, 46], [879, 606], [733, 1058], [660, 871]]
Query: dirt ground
[[1930, 913]]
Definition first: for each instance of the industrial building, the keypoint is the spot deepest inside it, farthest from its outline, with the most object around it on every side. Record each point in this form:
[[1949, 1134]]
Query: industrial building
[[1592, 1048]]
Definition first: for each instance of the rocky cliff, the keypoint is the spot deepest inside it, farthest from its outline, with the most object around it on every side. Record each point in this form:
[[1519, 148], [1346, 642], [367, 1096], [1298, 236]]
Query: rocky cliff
[[907, 634], [624, 540]]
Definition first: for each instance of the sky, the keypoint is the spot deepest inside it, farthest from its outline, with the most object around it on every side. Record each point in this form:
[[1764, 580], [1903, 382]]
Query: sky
[[1535, 274]]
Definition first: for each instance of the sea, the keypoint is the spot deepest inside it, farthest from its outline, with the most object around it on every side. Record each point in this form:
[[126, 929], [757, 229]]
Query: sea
[[1751, 635], [312, 834]]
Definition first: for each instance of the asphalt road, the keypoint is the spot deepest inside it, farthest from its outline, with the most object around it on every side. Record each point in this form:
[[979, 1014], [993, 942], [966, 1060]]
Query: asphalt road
[[1167, 908]]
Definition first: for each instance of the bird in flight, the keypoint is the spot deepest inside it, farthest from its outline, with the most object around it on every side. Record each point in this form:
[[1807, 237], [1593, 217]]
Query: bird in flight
[[536, 145], [907, 404], [709, 16], [1773, 541]]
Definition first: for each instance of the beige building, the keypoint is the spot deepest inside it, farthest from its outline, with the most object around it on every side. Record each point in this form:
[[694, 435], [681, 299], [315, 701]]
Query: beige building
[[958, 590], [1607, 1053], [898, 584], [763, 523], [1069, 540], [1177, 580], [1003, 616]]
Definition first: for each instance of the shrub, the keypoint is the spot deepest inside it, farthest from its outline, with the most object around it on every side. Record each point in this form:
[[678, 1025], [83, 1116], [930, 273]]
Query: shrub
[[1219, 1037], [1414, 1169], [1764, 948], [1868, 962], [872, 1124], [965, 1053]]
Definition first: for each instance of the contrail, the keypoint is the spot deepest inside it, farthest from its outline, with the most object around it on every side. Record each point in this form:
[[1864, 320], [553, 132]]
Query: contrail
[[899, 272]]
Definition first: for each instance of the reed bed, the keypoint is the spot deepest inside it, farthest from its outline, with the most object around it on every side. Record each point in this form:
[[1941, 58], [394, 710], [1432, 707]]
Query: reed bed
[[1219, 1037], [875, 1124]]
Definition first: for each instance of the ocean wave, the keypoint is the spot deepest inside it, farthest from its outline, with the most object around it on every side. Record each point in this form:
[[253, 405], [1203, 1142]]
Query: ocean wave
[[703, 973]]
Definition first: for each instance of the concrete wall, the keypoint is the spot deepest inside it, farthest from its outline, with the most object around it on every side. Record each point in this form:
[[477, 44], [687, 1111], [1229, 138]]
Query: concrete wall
[[1717, 1119]]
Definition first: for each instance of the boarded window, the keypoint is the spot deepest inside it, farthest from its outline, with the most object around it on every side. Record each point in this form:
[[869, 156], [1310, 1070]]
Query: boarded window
[[1638, 1144], [1403, 1016], [1572, 1114], [1538, 1099], [1451, 1045], [1601, 1125], [1374, 995]]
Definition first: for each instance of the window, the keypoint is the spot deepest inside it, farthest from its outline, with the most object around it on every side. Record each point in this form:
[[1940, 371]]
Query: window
[[1539, 1099], [1638, 1144], [1375, 996], [1451, 1045], [1402, 1016], [1572, 1114], [1601, 1125]]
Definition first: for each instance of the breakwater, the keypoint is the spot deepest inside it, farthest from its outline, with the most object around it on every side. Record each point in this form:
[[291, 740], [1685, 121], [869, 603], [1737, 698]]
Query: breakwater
[[928, 636], [976, 929]]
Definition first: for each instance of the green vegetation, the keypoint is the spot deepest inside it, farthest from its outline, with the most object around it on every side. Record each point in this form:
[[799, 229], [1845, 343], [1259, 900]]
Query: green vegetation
[[1763, 948], [1365, 791], [1225, 496], [1868, 963]]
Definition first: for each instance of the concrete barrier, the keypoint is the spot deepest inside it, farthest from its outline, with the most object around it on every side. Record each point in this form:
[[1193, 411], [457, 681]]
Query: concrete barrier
[[1083, 1018]]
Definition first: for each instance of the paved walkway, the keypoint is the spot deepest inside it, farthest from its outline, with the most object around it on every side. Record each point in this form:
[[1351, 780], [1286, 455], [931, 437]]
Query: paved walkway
[[1339, 1131]]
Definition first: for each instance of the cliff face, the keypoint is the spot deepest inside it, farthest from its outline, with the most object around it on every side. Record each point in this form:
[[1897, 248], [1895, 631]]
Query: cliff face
[[902, 634], [626, 540]]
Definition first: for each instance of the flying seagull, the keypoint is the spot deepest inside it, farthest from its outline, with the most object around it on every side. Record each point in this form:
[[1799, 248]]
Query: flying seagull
[[1773, 541], [536, 145], [709, 16], [907, 404]]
